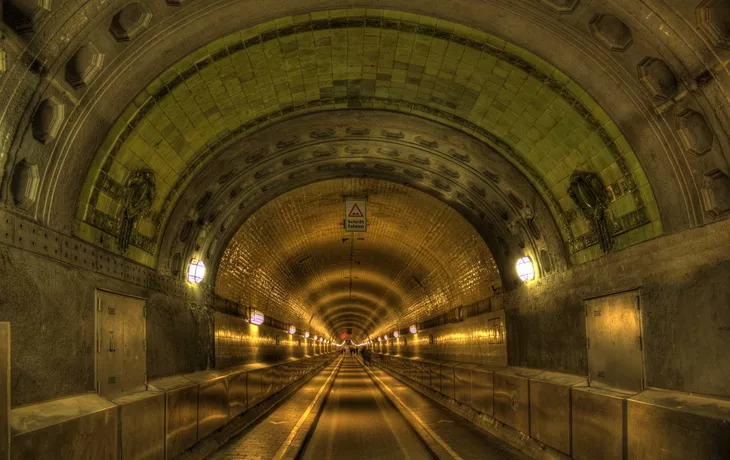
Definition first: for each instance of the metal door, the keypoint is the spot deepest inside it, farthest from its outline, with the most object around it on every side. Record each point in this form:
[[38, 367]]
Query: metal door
[[109, 338], [135, 344], [121, 362], [614, 342]]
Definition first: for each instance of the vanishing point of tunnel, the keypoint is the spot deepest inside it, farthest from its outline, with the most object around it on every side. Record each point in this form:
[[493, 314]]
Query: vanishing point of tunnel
[[364, 229]]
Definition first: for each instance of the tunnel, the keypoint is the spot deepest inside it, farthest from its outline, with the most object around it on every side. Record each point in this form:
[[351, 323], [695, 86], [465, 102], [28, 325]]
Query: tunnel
[[359, 229]]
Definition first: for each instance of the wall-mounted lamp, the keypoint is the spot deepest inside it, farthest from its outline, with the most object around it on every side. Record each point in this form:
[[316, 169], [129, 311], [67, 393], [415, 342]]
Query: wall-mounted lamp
[[256, 317], [395, 334], [292, 330], [413, 329], [196, 271], [525, 269], [306, 335]]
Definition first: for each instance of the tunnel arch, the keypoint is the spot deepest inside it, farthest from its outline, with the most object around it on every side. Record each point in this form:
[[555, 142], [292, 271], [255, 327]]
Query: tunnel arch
[[419, 258], [641, 214]]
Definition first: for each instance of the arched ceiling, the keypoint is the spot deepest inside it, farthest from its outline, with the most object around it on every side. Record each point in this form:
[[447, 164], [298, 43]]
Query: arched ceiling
[[514, 102], [419, 257], [633, 91]]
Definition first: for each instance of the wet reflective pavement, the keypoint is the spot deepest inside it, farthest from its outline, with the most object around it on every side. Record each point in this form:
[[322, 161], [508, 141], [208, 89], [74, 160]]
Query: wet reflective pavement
[[358, 422]]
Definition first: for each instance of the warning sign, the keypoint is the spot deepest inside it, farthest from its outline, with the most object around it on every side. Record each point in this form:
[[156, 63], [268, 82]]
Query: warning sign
[[355, 211], [356, 215]]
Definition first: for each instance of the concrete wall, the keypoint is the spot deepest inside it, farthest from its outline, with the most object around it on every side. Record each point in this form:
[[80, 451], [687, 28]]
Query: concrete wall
[[50, 306], [685, 296]]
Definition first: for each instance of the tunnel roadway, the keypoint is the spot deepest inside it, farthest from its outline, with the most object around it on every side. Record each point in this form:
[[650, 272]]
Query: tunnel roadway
[[352, 411]]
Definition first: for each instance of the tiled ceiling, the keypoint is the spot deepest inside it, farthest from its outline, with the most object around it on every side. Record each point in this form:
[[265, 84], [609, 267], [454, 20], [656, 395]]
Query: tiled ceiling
[[292, 259], [526, 109]]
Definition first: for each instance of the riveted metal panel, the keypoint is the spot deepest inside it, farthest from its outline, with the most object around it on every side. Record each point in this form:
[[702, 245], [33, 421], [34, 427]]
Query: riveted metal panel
[[73, 428], [482, 390], [447, 379], [7, 228], [550, 409], [4, 390], [598, 418], [462, 382], [181, 413], [142, 425], [667, 425], [512, 399], [614, 342]]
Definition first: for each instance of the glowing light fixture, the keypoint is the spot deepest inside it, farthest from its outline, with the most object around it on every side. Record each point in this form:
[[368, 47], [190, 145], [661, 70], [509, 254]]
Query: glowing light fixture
[[380, 339], [413, 329], [256, 317], [525, 269], [292, 330], [306, 335], [315, 337], [196, 271], [395, 334], [385, 337]]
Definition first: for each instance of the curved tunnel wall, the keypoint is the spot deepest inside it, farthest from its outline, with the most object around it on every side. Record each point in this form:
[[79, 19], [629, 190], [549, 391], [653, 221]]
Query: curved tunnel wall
[[665, 93]]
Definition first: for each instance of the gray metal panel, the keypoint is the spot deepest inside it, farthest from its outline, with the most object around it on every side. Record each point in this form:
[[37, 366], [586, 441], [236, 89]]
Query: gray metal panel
[[447, 379], [433, 368], [212, 406], [253, 387], [550, 409], [597, 424], [121, 363], [181, 419], [110, 344], [669, 425], [482, 390], [4, 390], [613, 333], [462, 383], [237, 402], [134, 353], [142, 425], [76, 428], [267, 382], [512, 401]]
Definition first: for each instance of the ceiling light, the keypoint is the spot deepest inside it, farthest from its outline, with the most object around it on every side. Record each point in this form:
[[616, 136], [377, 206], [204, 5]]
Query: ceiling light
[[395, 334], [413, 329], [306, 335], [292, 330]]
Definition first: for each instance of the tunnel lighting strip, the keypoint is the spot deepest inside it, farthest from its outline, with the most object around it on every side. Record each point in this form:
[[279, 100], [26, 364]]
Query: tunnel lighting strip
[[284, 447]]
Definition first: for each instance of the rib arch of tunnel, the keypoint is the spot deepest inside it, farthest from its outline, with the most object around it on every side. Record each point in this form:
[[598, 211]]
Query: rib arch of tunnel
[[546, 186]]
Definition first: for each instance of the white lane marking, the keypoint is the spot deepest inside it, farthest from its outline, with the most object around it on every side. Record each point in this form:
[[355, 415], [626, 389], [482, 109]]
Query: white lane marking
[[276, 423], [436, 437], [284, 447]]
